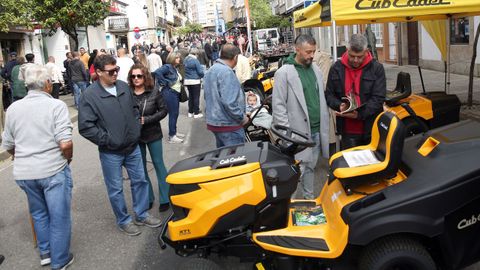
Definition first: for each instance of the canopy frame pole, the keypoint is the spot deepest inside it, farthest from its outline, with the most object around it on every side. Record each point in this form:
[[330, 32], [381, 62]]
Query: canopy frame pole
[[249, 28], [448, 54], [335, 56], [334, 31]]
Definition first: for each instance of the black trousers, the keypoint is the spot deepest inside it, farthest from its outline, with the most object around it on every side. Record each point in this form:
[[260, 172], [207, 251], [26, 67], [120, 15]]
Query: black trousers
[[352, 140], [56, 90], [194, 98]]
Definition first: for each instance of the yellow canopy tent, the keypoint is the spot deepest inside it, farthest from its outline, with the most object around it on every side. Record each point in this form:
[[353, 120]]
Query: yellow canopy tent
[[346, 12], [438, 31]]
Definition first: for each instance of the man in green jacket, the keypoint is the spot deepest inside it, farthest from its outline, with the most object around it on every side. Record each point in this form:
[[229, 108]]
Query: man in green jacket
[[19, 90], [299, 102]]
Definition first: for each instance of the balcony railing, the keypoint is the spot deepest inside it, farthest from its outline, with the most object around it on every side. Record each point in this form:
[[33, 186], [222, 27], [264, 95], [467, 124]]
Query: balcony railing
[[118, 25], [161, 22]]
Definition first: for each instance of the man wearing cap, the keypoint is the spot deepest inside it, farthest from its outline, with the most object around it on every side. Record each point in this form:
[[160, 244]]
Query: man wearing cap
[[7, 75], [7, 71]]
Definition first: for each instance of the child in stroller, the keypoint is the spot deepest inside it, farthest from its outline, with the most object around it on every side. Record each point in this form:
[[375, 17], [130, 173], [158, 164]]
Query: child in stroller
[[258, 129]]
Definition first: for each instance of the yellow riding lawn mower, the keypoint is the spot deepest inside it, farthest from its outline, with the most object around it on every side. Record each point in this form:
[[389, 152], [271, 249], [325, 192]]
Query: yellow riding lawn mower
[[393, 204]]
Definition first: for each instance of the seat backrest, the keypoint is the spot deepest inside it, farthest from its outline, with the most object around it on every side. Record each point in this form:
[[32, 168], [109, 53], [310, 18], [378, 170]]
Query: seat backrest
[[402, 90], [404, 83], [388, 134]]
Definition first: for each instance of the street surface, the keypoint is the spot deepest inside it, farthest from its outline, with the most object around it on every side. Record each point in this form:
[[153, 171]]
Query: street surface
[[96, 242]]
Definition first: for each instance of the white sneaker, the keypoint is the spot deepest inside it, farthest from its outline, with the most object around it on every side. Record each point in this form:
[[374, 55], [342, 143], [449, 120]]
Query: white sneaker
[[199, 115], [190, 115], [175, 139], [180, 135]]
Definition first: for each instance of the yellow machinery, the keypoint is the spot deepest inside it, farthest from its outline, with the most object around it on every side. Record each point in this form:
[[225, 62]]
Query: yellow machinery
[[402, 208]]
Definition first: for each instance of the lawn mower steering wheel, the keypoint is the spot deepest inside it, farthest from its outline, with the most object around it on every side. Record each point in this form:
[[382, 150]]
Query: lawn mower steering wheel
[[298, 144]]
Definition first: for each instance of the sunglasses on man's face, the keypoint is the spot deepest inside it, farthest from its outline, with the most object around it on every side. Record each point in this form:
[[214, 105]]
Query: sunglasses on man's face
[[111, 72], [136, 76]]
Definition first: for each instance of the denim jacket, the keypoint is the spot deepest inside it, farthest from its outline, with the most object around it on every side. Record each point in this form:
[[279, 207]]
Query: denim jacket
[[224, 97], [193, 69], [166, 76]]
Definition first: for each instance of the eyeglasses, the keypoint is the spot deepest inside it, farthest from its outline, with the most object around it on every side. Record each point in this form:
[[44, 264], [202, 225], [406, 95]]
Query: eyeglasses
[[136, 76], [111, 72]]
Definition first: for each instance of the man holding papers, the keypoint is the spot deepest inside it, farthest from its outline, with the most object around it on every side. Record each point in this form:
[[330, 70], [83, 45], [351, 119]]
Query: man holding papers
[[356, 78]]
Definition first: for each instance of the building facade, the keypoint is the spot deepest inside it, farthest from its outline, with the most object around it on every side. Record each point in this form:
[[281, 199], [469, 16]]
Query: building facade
[[204, 12]]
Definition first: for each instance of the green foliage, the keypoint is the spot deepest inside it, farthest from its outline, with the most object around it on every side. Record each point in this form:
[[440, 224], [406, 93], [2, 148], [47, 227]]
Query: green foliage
[[188, 29], [13, 13], [261, 13], [51, 14], [68, 14]]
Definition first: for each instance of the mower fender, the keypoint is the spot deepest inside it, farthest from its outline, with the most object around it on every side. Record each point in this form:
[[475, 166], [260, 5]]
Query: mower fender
[[421, 105], [368, 229]]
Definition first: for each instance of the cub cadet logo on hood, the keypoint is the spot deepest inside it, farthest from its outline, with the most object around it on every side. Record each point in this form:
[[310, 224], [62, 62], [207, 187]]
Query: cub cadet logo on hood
[[384, 4], [232, 160], [465, 223]]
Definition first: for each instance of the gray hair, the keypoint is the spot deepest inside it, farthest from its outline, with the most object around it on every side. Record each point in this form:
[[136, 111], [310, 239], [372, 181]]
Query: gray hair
[[36, 77], [357, 43], [304, 39]]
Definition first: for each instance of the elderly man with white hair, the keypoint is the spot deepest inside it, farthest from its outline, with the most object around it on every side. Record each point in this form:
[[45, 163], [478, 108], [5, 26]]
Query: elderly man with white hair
[[38, 133], [55, 76], [154, 60]]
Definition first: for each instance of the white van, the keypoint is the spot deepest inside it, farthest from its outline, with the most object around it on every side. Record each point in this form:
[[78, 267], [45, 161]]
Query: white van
[[260, 38]]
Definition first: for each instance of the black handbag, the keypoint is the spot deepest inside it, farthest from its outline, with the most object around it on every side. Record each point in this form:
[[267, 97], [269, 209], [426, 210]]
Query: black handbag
[[183, 94]]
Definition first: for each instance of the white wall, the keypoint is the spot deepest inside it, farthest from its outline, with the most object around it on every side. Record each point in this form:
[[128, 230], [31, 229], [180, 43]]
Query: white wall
[[57, 46], [110, 41], [96, 37], [137, 18], [32, 44], [428, 48]]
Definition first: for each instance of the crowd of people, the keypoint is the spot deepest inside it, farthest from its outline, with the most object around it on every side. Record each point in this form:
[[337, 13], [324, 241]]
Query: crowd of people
[[121, 101]]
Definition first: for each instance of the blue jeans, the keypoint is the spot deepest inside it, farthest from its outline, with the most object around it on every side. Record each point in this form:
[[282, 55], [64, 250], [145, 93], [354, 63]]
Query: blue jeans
[[230, 138], [78, 88], [173, 105], [308, 169], [112, 173], [156, 153], [49, 201]]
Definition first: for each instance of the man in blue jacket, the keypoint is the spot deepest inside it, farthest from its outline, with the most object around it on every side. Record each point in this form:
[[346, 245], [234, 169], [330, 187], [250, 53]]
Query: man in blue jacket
[[108, 117], [225, 99]]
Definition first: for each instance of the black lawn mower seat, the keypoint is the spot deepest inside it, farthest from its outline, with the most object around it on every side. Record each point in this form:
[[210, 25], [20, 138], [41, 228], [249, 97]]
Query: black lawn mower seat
[[402, 90], [388, 134]]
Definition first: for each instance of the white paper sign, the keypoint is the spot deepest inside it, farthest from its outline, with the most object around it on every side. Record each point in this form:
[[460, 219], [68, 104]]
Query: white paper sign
[[360, 158]]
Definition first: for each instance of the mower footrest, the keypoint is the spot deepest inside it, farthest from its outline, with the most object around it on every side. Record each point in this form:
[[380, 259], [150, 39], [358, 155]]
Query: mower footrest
[[295, 242]]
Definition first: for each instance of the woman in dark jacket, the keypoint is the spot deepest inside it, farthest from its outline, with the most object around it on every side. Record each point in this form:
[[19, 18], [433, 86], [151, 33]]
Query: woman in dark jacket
[[152, 109], [194, 72]]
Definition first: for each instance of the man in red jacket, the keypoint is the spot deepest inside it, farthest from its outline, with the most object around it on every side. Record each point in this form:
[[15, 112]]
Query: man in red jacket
[[362, 79]]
